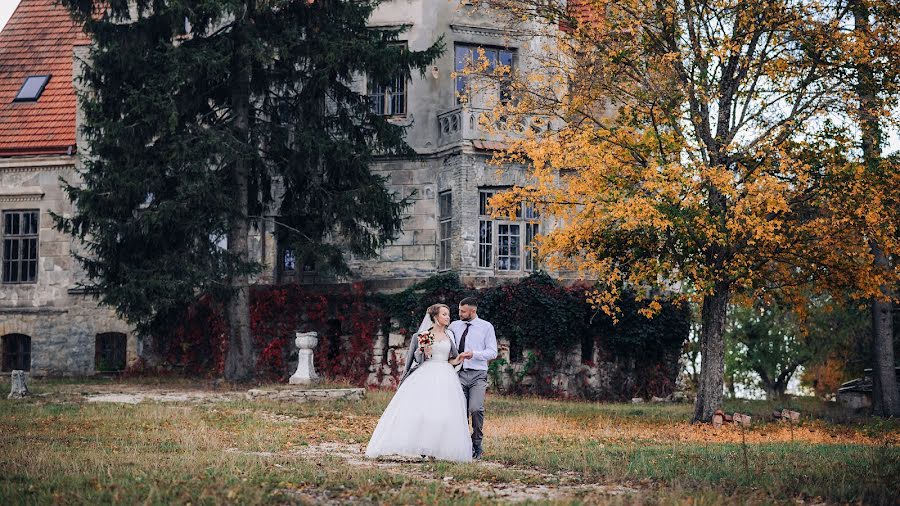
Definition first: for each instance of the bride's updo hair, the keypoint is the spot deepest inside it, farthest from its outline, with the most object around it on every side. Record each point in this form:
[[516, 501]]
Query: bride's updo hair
[[435, 309]]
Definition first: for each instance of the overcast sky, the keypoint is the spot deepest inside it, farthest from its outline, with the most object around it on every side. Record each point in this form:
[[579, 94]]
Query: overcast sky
[[6, 9]]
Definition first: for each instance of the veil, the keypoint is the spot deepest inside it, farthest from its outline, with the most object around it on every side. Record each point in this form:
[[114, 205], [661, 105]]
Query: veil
[[426, 324]]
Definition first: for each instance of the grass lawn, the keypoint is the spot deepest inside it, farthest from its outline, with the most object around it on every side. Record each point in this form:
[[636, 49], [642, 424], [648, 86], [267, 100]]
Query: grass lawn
[[57, 447]]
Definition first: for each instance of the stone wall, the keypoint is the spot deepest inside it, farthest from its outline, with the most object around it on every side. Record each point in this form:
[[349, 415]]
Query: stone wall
[[61, 322], [63, 339], [569, 376]]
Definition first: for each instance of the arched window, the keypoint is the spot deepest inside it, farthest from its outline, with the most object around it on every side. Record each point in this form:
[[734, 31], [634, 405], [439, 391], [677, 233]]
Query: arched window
[[16, 352], [109, 352]]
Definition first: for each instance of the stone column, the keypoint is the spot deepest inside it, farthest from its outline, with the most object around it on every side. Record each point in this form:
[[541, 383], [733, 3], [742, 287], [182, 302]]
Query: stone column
[[306, 371], [19, 389]]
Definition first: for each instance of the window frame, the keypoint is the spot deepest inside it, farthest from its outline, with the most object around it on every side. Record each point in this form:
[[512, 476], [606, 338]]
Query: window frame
[[485, 243], [21, 240], [38, 93], [22, 352], [445, 230], [514, 252], [111, 346], [504, 84], [528, 224], [390, 102]]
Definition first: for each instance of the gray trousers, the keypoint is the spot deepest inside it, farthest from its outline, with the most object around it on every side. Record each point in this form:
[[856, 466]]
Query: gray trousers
[[474, 385]]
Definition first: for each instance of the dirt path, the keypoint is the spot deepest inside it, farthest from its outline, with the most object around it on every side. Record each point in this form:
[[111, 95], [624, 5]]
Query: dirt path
[[539, 486]]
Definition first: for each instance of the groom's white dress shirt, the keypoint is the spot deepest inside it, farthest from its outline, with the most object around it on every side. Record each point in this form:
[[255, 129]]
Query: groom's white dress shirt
[[480, 340]]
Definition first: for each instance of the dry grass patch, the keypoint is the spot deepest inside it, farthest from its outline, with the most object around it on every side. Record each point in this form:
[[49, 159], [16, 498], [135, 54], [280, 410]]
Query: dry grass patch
[[607, 429], [60, 448]]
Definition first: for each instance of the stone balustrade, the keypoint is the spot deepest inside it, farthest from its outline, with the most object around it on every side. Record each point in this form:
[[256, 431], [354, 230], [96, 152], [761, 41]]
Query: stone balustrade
[[464, 123]]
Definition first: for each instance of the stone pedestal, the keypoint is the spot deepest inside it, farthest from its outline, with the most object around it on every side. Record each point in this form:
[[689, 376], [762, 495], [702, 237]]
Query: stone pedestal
[[19, 389], [306, 371]]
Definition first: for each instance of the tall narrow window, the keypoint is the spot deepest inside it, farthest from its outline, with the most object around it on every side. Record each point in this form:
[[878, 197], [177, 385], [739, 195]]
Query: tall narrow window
[[531, 230], [445, 214], [20, 246], [485, 230], [16, 352], [497, 59], [508, 242]]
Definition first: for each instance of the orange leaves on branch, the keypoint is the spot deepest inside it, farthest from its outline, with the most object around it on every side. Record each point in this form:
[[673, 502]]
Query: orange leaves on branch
[[692, 145]]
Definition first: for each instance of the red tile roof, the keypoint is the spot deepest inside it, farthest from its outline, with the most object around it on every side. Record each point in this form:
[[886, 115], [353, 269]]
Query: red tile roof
[[38, 40]]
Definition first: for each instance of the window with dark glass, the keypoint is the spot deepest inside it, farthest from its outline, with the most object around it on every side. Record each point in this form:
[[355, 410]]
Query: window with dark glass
[[508, 242], [531, 230], [485, 230], [20, 246], [387, 96], [109, 352], [445, 213], [388, 99], [16, 352], [471, 56]]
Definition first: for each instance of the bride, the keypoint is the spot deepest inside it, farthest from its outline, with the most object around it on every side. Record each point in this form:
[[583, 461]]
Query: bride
[[427, 416]]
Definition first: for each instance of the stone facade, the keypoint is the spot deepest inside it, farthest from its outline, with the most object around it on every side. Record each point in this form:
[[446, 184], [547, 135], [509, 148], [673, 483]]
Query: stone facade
[[453, 155], [62, 322]]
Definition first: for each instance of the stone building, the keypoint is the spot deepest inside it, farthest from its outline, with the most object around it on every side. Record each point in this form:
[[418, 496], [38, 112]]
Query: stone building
[[51, 327], [47, 325], [448, 226]]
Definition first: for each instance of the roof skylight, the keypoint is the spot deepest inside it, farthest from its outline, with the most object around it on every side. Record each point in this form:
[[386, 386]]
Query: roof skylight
[[32, 88]]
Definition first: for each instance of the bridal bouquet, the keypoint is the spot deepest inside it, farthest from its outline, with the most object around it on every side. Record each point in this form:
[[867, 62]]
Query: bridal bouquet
[[426, 339]]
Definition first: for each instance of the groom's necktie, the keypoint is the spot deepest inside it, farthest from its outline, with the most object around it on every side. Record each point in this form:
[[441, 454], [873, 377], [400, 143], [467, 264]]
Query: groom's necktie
[[462, 340]]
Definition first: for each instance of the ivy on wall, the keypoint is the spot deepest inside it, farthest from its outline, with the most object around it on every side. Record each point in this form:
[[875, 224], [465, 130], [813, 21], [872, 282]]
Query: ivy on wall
[[549, 319], [535, 313], [347, 324]]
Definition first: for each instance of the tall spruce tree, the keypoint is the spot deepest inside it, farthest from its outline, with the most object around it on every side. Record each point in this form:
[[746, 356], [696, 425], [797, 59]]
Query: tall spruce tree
[[201, 114]]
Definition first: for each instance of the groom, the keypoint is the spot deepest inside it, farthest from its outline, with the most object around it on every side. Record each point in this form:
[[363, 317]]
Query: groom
[[477, 344]]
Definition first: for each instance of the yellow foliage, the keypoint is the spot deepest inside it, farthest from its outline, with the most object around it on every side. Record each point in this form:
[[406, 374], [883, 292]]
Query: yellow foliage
[[689, 148]]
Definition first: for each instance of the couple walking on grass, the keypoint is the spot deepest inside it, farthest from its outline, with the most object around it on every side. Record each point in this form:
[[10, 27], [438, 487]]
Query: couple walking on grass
[[443, 385]]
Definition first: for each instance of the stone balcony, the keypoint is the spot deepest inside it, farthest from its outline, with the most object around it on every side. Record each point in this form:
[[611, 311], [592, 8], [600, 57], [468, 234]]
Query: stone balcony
[[465, 124]]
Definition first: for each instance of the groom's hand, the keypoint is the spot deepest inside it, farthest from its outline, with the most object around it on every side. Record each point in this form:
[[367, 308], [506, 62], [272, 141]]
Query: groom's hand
[[466, 355]]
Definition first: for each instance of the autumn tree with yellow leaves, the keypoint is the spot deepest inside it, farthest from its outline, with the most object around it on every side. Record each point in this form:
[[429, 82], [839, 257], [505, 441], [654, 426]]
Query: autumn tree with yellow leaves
[[874, 63], [698, 148]]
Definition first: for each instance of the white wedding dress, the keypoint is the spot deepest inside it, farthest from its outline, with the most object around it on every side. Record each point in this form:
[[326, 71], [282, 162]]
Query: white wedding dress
[[427, 415]]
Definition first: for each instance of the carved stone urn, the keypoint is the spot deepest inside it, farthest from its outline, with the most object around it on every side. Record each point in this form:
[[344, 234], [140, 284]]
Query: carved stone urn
[[306, 371]]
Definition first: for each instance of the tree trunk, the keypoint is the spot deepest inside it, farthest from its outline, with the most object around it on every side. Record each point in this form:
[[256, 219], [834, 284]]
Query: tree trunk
[[712, 350], [886, 400], [240, 360], [886, 397]]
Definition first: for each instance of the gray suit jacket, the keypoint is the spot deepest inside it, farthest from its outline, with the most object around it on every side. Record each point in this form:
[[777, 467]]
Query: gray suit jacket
[[415, 356]]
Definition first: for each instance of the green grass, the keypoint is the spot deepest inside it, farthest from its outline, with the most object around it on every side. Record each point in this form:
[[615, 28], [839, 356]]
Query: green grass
[[58, 448]]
